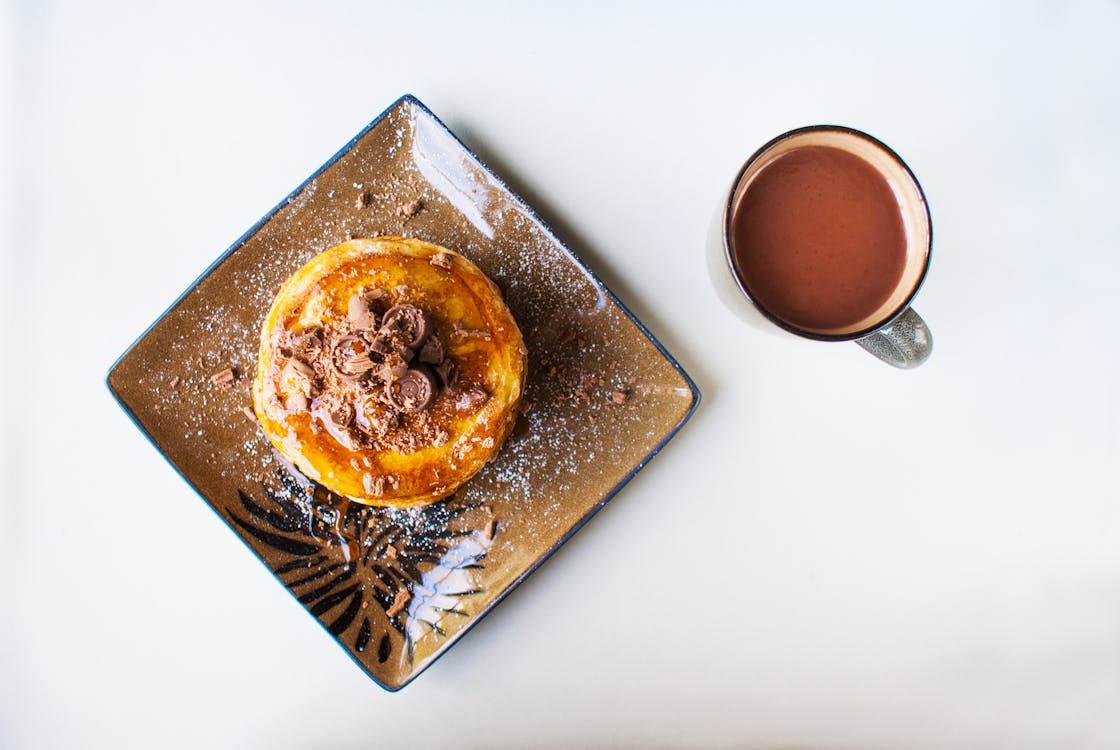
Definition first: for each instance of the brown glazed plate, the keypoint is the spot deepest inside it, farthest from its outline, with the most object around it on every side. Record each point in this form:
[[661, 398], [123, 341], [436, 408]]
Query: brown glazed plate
[[396, 588]]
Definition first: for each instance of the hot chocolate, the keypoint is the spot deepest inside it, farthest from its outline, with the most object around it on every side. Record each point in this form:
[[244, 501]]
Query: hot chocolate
[[818, 238]]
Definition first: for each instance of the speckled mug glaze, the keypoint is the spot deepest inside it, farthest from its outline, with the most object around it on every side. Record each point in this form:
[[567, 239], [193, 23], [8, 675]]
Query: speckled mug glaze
[[396, 588]]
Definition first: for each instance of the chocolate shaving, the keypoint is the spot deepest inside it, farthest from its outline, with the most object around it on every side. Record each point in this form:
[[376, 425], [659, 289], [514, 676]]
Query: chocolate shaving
[[393, 366], [410, 209], [472, 333], [448, 373], [400, 601], [442, 260], [432, 351], [620, 396], [225, 378], [382, 343], [360, 312], [357, 365], [342, 414], [308, 342], [298, 369], [471, 398], [299, 384], [375, 419], [490, 530], [363, 200], [296, 401], [374, 486]]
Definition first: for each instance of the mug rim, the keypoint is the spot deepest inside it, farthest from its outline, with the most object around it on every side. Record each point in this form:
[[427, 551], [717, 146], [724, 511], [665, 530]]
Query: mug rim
[[730, 259]]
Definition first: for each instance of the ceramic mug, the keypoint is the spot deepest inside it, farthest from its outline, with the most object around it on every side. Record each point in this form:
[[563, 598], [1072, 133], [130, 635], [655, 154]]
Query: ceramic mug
[[891, 330]]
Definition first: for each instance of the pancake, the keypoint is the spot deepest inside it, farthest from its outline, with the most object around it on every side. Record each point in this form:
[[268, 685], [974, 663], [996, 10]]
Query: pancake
[[390, 371]]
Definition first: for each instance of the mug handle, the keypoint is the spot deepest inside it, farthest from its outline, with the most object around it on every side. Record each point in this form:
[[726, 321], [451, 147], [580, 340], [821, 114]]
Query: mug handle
[[905, 342]]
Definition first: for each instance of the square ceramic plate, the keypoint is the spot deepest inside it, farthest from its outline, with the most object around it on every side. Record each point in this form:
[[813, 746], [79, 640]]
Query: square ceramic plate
[[396, 588]]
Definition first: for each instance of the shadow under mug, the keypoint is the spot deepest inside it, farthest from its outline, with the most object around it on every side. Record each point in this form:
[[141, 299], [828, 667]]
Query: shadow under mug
[[895, 333]]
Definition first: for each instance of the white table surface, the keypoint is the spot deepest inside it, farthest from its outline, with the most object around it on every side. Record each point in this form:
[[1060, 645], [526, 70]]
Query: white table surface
[[831, 554]]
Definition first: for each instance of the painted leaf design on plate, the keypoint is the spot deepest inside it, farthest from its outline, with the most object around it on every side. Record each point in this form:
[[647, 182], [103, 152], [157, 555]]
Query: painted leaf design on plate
[[416, 566]]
